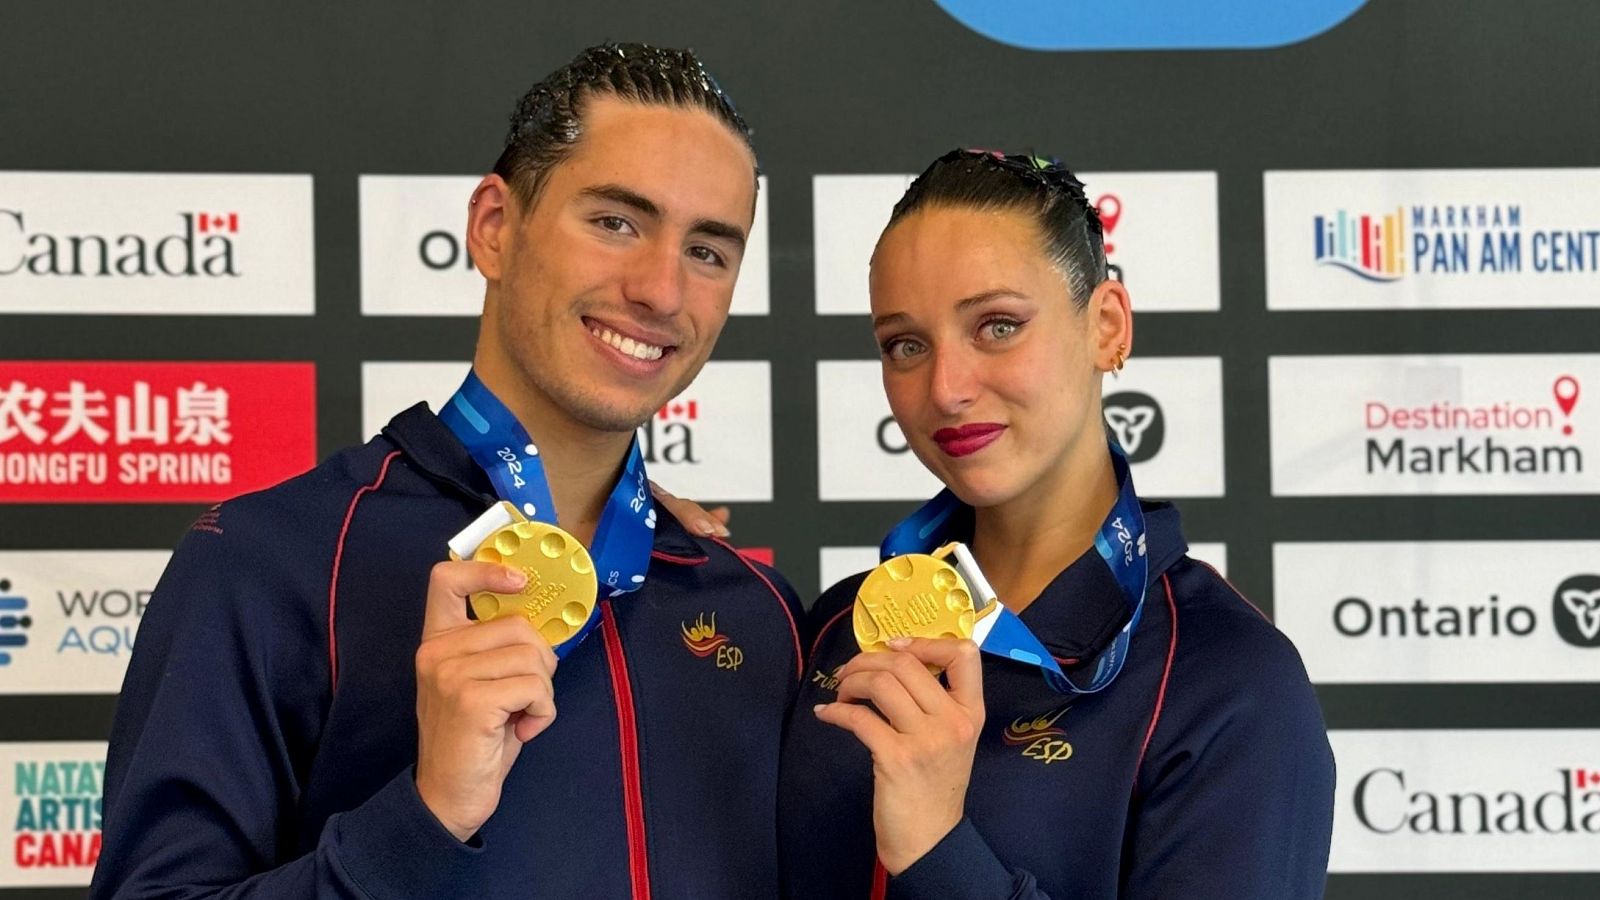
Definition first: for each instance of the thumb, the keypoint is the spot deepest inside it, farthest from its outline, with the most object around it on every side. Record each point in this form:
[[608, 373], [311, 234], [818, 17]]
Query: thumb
[[452, 582]]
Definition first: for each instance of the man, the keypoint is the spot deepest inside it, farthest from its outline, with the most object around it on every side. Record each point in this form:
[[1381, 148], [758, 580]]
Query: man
[[297, 721]]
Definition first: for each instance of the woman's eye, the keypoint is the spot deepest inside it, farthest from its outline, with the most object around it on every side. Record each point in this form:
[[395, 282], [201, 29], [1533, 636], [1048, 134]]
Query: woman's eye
[[1000, 329], [902, 348]]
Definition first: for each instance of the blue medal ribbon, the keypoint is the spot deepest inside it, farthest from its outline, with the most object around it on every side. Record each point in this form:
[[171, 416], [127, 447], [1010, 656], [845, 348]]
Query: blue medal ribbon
[[1120, 543], [502, 448]]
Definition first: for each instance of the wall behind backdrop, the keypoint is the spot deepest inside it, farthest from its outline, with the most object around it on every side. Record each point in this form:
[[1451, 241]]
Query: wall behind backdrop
[[1361, 237]]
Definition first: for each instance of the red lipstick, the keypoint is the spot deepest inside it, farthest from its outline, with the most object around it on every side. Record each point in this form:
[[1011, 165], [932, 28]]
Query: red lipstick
[[968, 439]]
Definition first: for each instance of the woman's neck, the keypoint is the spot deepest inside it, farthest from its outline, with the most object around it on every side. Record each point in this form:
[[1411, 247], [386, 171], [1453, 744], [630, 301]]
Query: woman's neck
[[1024, 543]]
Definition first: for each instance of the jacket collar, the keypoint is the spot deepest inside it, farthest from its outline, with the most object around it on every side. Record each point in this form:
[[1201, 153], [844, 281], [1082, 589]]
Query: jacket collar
[[1081, 611], [435, 451]]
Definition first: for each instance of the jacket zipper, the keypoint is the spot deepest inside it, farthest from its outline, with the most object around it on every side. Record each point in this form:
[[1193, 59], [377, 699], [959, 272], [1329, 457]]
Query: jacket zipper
[[628, 734]]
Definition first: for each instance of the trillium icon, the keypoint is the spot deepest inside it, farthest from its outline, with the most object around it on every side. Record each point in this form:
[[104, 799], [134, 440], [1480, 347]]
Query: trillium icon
[[1576, 610]]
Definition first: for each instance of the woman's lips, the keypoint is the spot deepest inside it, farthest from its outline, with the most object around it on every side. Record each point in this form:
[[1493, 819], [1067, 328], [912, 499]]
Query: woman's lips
[[968, 439]]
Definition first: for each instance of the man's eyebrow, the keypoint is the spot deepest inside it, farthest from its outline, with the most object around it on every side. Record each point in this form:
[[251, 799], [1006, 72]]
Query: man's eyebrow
[[961, 305], [719, 229], [616, 193]]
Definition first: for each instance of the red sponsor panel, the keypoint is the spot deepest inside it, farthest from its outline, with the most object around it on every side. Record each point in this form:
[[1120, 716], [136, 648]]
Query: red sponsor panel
[[152, 432], [761, 555]]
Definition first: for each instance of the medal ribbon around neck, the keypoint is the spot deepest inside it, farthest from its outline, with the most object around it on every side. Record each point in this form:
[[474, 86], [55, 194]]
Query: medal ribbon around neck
[[1120, 543], [502, 448]]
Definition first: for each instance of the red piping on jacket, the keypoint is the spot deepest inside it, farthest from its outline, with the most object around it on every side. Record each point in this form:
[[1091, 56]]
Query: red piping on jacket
[[1161, 693], [799, 661], [680, 560], [820, 634], [628, 736], [338, 557]]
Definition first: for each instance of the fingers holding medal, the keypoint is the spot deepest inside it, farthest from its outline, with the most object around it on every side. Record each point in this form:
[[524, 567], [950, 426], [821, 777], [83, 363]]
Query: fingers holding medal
[[914, 617]]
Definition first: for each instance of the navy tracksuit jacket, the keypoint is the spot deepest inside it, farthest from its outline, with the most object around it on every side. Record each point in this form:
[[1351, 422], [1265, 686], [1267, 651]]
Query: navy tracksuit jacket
[[1202, 772], [265, 741]]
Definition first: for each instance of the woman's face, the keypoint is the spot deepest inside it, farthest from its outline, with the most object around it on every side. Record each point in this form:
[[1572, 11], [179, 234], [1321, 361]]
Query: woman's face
[[991, 371]]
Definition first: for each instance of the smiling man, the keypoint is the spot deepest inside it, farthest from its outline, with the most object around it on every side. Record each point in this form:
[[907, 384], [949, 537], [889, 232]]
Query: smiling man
[[311, 711]]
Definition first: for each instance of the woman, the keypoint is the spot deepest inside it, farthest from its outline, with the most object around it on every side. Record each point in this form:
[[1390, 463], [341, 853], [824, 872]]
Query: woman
[[1177, 748]]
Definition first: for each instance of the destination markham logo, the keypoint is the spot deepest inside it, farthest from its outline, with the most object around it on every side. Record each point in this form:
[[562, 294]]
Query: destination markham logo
[[1401, 439], [1428, 239]]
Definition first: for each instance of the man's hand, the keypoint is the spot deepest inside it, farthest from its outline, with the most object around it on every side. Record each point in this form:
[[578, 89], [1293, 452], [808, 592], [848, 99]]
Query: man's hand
[[483, 690], [922, 738]]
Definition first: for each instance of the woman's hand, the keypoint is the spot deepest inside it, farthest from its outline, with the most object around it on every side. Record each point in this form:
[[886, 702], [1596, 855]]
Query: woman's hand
[[693, 516], [922, 738]]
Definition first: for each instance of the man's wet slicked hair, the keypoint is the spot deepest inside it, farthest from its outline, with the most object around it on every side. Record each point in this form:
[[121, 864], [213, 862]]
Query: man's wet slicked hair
[[548, 121]]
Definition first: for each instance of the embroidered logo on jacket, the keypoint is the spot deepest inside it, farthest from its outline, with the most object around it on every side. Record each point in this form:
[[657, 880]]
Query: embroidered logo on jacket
[[829, 682], [1039, 737], [704, 641]]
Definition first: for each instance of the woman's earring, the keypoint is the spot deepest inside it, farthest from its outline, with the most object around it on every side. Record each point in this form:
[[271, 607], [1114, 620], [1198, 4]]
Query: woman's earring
[[1122, 358]]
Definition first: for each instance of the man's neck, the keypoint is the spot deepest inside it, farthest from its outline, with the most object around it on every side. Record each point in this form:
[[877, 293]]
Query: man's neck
[[581, 464]]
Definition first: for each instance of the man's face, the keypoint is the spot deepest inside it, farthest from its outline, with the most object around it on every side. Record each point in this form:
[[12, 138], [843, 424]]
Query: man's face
[[606, 297]]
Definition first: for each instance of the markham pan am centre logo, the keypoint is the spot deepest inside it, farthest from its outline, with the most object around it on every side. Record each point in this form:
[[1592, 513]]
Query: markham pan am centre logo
[[1432, 239], [1150, 24]]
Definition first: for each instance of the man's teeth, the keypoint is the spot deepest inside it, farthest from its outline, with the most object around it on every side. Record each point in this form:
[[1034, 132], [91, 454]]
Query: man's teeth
[[628, 346]]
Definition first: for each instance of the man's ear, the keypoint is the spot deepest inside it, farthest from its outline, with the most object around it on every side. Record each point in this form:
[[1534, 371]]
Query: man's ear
[[489, 218]]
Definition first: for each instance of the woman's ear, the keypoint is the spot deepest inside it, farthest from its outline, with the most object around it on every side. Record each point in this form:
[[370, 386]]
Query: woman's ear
[[492, 207], [1112, 320]]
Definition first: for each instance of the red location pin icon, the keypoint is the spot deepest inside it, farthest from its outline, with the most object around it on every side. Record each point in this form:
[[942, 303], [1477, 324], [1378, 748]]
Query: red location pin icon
[[1566, 391], [1110, 208]]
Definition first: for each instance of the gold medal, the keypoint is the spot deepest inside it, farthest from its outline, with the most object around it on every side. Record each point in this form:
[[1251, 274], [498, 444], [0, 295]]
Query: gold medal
[[915, 595], [562, 588]]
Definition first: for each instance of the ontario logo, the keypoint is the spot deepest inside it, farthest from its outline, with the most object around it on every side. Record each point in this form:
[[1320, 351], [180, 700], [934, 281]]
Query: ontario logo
[[1039, 737], [14, 622], [1135, 418], [1467, 239], [1576, 610], [703, 641]]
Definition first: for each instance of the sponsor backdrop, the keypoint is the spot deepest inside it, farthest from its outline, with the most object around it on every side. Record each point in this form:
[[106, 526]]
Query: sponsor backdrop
[[1362, 238]]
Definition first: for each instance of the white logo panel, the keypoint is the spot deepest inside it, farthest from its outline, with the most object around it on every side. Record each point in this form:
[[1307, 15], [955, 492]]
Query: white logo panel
[[156, 244], [1167, 414], [861, 452], [414, 258], [68, 619], [1466, 801], [1375, 425], [50, 798], [839, 563], [1433, 239], [1161, 229], [1440, 612], [1167, 410]]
